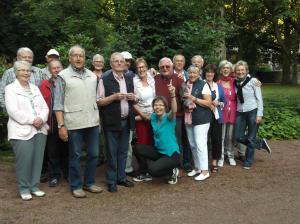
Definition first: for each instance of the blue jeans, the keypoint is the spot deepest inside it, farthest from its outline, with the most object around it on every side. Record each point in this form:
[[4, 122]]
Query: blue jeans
[[117, 148], [244, 120], [91, 137]]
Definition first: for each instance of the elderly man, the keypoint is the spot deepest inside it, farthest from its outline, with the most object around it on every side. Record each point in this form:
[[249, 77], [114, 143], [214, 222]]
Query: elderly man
[[78, 119], [198, 61], [179, 63], [23, 54], [115, 96], [52, 54], [128, 60], [56, 149], [162, 81]]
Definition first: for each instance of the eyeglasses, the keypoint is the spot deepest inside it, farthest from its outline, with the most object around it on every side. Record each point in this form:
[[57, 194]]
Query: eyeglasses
[[98, 61], [158, 105], [23, 70], [164, 66], [77, 55], [118, 62], [141, 67]]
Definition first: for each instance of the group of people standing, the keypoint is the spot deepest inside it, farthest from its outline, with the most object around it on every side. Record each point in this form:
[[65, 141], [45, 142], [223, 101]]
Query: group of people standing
[[175, 113]]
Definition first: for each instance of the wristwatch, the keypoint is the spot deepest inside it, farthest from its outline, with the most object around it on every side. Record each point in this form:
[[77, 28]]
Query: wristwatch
[[60, 125]]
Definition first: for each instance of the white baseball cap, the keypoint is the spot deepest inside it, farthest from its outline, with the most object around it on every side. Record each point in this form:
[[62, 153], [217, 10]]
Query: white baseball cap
[[126, 55], [52, 52]]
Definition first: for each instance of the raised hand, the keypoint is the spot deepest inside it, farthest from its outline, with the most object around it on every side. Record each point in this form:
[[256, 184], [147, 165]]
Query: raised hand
[[171, 89]]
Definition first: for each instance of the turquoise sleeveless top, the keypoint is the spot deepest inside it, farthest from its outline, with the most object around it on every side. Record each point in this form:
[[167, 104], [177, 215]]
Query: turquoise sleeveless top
[[164, 135]]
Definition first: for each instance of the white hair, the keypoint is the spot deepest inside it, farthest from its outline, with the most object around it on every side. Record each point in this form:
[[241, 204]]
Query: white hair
[[74, 47], [98, 56], [18, 64], [178, 55], [223, 63], [26, 49], [198, 56], [165, 59], [115, 54]]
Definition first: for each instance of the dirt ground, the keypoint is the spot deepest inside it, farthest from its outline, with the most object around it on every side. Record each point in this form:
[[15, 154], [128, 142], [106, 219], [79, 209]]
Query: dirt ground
[[268, 193]]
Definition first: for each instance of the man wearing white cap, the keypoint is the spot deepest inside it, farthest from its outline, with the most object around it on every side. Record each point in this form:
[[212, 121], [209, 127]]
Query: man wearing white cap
[[51, 55]]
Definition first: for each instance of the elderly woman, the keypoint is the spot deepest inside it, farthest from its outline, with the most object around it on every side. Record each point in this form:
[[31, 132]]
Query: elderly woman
[[249, 112], [218, 103], [197, 101], [98, 64], [145, 87], [165, 152], [27, 129], [229, 112]]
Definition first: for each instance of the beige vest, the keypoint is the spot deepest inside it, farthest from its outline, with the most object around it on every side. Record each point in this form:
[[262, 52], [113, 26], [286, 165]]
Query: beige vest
[[80, 107]]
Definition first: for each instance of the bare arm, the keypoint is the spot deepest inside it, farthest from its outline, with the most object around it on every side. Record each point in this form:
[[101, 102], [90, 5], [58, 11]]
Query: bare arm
[[62, 132], [173, 109], [142, 115]]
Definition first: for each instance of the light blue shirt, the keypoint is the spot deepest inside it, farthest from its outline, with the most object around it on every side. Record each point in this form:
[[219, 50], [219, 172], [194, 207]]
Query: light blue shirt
[[252, 98], [164, 135]]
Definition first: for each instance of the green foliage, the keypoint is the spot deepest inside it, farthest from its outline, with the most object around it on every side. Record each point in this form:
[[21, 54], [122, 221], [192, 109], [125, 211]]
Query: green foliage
[[157, 28], [3, 68], [276, 29], [81, 40], [264, 68], [281, 112]]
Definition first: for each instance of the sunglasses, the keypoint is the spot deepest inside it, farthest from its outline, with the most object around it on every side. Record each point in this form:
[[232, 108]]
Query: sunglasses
[[165, 67]]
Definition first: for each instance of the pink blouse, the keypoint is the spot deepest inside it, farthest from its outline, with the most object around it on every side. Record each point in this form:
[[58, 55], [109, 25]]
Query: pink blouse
[[229, 111]]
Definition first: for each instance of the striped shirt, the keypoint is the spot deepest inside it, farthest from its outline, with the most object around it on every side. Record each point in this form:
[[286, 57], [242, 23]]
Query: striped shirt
[[36, 77]]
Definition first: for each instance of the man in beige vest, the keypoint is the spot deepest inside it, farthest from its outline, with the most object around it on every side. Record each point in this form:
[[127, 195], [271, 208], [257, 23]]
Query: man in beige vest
[[78, 119]]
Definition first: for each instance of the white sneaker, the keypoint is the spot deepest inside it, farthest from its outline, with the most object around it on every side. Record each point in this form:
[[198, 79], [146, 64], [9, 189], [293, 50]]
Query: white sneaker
[[26, 196], [232, 162], [38, 193], [221, 163], [193, 173], [202, 177], [173, 179]]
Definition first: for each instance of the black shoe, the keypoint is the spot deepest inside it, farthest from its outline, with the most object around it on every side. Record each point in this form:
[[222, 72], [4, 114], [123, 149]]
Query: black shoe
[[112, 188], [44, 178], [66, 179], [53, 182], [266, 146], [242, 158], [187, 167], [126, 183], [131, 174]]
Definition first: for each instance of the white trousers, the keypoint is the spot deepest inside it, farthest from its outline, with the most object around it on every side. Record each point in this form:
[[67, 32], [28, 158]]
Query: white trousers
[[197, 135]]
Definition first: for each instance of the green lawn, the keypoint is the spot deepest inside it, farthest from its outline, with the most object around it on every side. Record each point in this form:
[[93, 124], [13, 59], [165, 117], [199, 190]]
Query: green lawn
[[281, 112]]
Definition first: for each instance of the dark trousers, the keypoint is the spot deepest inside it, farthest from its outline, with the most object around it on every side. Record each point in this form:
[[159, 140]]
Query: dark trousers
[[117, 149], [246, 120], [215, 134], [162, 165], [183, 142], [58, 156]]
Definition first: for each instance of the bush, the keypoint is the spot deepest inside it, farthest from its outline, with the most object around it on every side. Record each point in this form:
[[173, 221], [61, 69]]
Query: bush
[[281, 112]]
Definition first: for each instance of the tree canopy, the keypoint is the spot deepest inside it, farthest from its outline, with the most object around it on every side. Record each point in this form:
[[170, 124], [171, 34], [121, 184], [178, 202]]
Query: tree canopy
[[156, 28]]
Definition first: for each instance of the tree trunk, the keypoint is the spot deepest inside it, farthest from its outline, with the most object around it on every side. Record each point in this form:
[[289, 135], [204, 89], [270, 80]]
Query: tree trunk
[[295, 72], [286, 70]]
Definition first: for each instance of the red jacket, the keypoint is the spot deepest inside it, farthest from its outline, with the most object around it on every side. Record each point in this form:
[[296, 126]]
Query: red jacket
[[46, 87]]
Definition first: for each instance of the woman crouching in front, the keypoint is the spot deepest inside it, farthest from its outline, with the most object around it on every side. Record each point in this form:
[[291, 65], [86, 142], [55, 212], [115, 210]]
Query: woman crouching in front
[[27, 129], [165, 152], [197, 102]]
